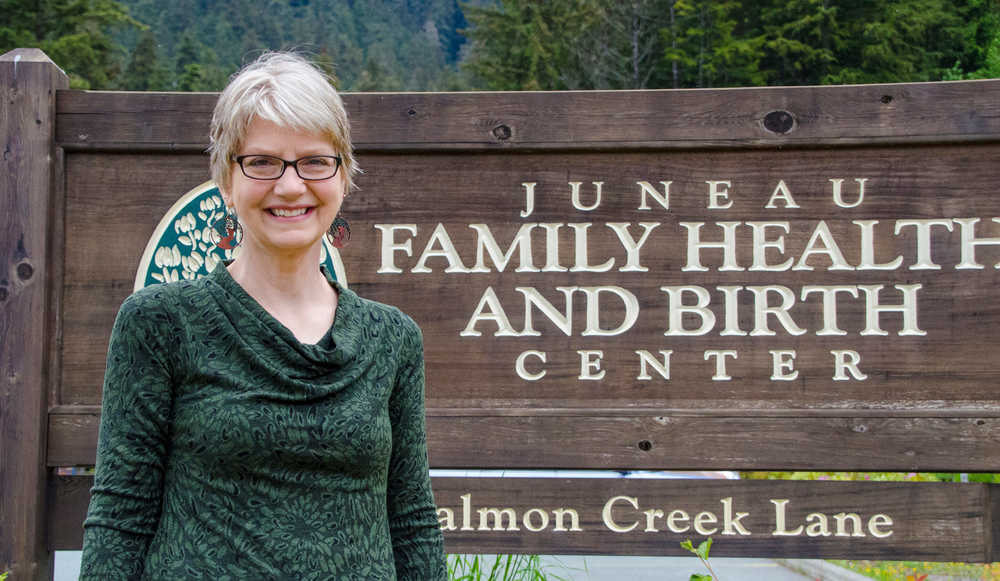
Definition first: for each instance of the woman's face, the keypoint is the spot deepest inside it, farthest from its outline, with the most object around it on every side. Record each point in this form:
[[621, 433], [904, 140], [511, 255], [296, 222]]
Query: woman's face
[[289, 214]]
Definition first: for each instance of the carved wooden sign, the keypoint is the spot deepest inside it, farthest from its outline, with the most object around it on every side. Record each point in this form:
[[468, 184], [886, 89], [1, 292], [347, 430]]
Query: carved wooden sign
[[788, 278], [803, 279], [805, 283]]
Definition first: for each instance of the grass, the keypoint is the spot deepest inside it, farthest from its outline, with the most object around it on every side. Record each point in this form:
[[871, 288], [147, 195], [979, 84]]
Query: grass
[[918, 571], [498, 568], [873, 476]]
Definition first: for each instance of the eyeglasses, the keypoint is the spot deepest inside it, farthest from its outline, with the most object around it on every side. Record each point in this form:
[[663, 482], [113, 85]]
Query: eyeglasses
[[268, 167]]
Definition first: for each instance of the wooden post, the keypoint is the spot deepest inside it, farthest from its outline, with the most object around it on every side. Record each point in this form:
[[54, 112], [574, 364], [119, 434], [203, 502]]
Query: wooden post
[[28, 84]]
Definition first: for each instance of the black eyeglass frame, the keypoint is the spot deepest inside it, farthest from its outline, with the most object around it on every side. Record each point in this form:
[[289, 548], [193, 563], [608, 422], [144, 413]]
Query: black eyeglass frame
[[294, 163]]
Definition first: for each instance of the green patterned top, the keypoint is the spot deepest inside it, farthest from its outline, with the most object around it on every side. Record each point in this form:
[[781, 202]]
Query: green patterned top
[[230, 451]]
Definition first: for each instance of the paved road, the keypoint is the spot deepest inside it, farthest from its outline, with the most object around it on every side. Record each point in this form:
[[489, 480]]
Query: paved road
[[666, 569], [592, 568]]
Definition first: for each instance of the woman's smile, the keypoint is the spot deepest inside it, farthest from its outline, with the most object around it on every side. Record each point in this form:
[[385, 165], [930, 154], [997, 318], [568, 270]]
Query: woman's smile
[[289, 212]]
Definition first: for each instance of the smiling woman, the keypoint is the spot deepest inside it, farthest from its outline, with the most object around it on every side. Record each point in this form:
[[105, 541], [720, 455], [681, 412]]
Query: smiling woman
[[264, 421]]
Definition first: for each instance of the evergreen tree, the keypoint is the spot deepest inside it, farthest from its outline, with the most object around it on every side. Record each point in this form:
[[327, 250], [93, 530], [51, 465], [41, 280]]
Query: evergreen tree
[[528, 45], [145, 72], [376, 77], [74, 33], [195, 67], [623, 47], [888, 41], [711, 45], [802, 40]]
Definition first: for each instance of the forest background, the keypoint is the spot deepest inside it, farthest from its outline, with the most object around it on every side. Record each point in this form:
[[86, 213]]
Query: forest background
[[445, 45]]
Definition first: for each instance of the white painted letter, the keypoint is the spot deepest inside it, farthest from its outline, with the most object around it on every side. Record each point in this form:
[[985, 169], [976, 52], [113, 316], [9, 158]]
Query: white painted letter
[[564, 321], [728, 245], [485, 241], [868, 247], [909, 309], [762, 310], [969, 243], [715, 194], [678, 309], [761, 244], [720, 362], [781, 193], [590, 361], [582, 260], [783, 362], [496, 314], [609, 521], [829, 305], [529, 198], [575, 186], [631, 246], [923, 229], [646, 358], [841, 365], [447, 251], [593, 312], [829, 248], [779, 520], [522, 372], [838, 198], [390, 246], [647, 188]]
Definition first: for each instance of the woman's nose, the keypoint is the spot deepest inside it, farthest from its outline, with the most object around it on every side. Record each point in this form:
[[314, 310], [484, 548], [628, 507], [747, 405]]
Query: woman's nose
[[289, 183]]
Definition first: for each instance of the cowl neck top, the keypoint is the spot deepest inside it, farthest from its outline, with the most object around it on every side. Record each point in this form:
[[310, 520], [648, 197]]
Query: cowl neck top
[[229, 449], [309, 369]]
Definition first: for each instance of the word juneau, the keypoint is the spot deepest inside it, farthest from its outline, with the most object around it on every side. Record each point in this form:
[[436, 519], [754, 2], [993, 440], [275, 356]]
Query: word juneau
[[626, 514], [690, 310]]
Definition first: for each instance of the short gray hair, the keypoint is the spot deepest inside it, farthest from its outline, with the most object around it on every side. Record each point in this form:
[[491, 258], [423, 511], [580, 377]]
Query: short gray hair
[[287, 90]]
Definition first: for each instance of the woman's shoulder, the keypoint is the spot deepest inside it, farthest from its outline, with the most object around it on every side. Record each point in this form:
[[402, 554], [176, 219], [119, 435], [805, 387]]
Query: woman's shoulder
[[164, 302], [373, 310]]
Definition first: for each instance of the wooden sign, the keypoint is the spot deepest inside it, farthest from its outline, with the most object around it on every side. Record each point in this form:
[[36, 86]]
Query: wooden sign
[[775, 278], [559, 516]]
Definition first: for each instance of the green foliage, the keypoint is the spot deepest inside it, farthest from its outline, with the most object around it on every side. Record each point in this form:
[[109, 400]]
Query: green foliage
[[145, 72], [875, 476], [523, 45], [918, 571], [74, 33], [701, 551], [500, 568], [602, 44], [371, 44], [3, 576]]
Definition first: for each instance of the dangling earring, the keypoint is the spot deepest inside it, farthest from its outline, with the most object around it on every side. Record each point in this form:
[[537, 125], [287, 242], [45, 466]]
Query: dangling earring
[[339, 233], [227, 230]]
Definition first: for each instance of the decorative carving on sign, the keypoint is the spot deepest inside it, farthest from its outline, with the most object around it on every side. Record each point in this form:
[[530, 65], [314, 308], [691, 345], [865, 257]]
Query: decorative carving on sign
[[181, 247]]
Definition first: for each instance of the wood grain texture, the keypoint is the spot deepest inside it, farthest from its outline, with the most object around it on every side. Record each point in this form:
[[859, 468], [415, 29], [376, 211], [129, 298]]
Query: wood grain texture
[[943, 369], [925, 390], [929, 402], [614, 441], [625, 120], [931, 522], [28, 82], [125, 194]]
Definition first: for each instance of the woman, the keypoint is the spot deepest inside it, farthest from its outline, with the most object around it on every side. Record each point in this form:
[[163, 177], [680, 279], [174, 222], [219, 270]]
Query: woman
[[264, 422]]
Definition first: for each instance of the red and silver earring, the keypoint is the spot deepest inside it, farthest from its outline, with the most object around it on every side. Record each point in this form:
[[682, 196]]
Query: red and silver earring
[[339, 233], [227, 232]]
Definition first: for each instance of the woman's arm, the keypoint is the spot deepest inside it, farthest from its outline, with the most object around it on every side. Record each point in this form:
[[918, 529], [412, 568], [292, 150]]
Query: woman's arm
[[416, 537], [132, 445]]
